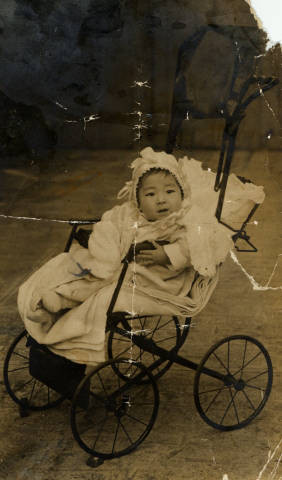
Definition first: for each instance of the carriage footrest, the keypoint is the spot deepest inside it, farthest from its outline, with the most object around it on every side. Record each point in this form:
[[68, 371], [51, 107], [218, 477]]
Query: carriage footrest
[[58, 373]]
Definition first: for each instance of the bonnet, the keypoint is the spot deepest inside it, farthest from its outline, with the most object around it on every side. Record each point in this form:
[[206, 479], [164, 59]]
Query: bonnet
[[148, 160]]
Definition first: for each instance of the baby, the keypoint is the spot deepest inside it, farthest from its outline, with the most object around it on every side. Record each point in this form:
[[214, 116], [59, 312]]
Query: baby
[[176, 276], [158, 195]]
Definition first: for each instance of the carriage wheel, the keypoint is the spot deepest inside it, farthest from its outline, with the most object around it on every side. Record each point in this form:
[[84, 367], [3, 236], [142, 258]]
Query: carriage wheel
[[23, 388], [234, 402], [120, 413], [164, 330]]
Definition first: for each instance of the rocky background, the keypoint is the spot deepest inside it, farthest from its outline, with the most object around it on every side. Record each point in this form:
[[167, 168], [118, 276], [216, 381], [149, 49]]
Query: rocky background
[[101, 73]]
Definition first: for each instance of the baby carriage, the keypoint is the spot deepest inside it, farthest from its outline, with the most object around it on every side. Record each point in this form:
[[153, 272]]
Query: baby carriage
[[114, 406]]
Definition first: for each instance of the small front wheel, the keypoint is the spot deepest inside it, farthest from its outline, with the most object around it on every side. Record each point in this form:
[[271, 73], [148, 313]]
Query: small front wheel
[[235, 399]]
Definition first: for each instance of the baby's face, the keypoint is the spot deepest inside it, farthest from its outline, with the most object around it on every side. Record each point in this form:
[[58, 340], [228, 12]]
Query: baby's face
[[159, 196]]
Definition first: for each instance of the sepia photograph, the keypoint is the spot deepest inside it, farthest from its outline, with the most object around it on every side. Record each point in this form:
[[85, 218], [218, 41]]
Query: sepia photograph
[[140, 253]]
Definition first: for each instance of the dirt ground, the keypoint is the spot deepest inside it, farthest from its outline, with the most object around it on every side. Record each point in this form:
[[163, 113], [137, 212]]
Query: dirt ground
[[35, 206]]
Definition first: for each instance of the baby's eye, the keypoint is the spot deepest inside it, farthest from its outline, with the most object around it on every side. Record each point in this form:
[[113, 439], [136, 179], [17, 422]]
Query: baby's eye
[[149, 194], [170, 191]]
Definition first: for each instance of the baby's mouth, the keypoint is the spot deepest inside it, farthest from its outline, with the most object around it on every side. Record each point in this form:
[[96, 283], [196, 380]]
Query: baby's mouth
[[163, 210]]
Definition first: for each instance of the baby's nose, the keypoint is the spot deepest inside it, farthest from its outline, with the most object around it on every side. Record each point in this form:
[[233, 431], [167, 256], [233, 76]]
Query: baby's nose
[[160, 198]]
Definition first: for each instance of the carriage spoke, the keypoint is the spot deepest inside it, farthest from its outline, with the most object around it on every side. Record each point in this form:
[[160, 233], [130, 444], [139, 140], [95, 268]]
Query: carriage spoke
[[125, 350], [215, 397], [234, 405], [136, 419], [125, 431], [249, 400], [100, 430], [126, 374], [39, 387], [19, 368], [116, 434], [32, 390], [244, 357], [255, 387], [21, 355], [228, 406], [256, 376], [248, 363], [164, 339], [103, 386], [163, 325], [26, 383], [221, 363], [142, 324], [156, 327], [213, 390]]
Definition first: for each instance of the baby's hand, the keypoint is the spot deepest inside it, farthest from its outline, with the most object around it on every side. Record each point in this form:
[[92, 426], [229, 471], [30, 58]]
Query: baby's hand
[[153, 257]]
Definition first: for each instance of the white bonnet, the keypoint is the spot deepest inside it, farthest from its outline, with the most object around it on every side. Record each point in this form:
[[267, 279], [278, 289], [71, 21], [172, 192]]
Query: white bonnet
[[148, 160]]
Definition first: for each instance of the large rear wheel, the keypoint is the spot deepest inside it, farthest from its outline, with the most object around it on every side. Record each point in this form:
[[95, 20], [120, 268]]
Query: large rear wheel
[[239, 396]]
